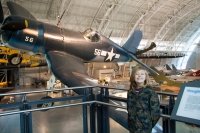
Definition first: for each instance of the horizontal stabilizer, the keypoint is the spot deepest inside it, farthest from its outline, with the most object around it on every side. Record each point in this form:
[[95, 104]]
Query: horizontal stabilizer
[[133, 42]]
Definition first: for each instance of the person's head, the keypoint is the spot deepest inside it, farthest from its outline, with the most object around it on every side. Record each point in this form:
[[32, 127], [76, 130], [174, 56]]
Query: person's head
[[139, 77]]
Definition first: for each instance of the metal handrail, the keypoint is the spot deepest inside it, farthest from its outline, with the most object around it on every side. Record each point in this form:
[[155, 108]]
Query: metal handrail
[[71, 88], [59, 106], [166, 93], [68, 105], [40, 91], [80, 87], [113, 105], [165, 116]]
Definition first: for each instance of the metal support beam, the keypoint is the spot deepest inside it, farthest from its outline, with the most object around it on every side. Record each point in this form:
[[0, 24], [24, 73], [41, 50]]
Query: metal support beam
[[85, 120], [97, 13], [100, 113], [167, 26], [92, 112], [129, 23], [172, 123], [110, 12], [29, 124], [106, 121], [22, 120]]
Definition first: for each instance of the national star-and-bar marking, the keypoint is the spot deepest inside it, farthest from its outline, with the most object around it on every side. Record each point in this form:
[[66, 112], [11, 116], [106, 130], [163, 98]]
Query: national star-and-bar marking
[[104, 53]]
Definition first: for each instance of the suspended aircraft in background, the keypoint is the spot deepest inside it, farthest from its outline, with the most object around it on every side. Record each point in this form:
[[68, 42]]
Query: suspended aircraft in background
[[15, 57], [139, 52]]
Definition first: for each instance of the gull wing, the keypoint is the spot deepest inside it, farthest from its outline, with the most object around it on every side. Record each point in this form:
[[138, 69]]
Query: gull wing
[[69, 69]]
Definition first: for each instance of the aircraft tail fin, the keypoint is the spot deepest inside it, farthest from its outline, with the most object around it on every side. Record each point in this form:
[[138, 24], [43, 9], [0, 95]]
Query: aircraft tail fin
[[162, 79], [174, 68], [168, 67], [133, 42]]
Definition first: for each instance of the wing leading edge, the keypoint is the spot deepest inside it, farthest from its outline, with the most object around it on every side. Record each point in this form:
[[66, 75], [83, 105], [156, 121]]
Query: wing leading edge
[[69, 69]]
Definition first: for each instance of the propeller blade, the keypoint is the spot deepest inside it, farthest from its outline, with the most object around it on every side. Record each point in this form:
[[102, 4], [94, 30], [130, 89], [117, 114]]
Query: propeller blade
[[18, 10], [15, 25], [1, 13]]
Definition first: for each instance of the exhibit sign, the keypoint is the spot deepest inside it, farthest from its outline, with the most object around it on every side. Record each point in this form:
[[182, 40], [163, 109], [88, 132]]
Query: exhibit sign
[[187, 106], [190, 103]]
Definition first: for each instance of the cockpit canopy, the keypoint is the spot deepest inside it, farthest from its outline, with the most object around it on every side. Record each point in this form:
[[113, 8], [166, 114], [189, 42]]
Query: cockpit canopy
[[91, 35]]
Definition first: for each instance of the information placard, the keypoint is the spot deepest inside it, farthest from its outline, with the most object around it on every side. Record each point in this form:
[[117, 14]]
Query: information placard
[[190, 103], [187, 106]]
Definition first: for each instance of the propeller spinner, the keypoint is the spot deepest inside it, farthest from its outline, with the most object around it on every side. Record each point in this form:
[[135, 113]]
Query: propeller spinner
[[12, 25], [15, 25]]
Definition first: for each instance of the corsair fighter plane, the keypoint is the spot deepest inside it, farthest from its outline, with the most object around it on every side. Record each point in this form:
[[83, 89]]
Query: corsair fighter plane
[[65, 50]]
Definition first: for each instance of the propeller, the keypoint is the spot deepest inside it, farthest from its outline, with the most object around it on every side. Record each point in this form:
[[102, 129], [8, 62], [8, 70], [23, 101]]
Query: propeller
[[12, 25]]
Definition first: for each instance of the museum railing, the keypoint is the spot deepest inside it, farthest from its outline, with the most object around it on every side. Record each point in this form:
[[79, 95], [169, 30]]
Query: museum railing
[[98, 102]]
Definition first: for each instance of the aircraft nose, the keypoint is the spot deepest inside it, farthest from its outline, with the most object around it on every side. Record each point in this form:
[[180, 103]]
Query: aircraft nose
[[5, 36]]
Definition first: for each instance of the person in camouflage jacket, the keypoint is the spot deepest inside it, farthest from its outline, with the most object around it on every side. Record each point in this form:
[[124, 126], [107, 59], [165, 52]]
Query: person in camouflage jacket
[[142, 103]]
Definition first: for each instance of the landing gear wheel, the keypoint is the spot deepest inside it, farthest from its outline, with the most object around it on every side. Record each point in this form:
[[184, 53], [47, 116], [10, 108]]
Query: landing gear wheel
[[15, 59]]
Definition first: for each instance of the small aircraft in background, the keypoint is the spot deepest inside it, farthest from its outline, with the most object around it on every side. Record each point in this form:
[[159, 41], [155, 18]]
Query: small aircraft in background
[[194, 74], [165, 83], [15, 57], [167, 71], [183, 72]]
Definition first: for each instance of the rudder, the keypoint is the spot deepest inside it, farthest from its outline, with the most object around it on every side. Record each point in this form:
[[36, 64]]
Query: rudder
[[133, 42]]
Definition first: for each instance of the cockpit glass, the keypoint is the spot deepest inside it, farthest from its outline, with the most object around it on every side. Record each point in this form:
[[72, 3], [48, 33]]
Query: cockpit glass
[[91, 35]]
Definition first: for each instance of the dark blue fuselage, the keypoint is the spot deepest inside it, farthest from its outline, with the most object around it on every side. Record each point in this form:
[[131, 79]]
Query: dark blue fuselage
[[40, 37]]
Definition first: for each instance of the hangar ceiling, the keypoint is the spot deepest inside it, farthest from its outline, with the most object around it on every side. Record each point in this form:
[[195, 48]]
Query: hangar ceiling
[[169, 23]]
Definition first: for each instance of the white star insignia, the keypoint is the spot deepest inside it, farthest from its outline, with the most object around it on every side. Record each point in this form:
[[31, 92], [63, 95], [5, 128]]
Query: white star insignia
[[104, 53], [110, 55]]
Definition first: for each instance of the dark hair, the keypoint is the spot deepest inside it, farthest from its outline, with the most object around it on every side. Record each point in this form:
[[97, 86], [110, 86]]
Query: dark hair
[[133, 84]]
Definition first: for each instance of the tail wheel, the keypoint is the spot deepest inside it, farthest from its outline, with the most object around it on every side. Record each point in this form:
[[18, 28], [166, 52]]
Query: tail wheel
[[15, 59]]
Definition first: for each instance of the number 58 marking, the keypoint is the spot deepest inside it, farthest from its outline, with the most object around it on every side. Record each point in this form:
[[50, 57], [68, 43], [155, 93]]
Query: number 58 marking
[[29, 39]]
